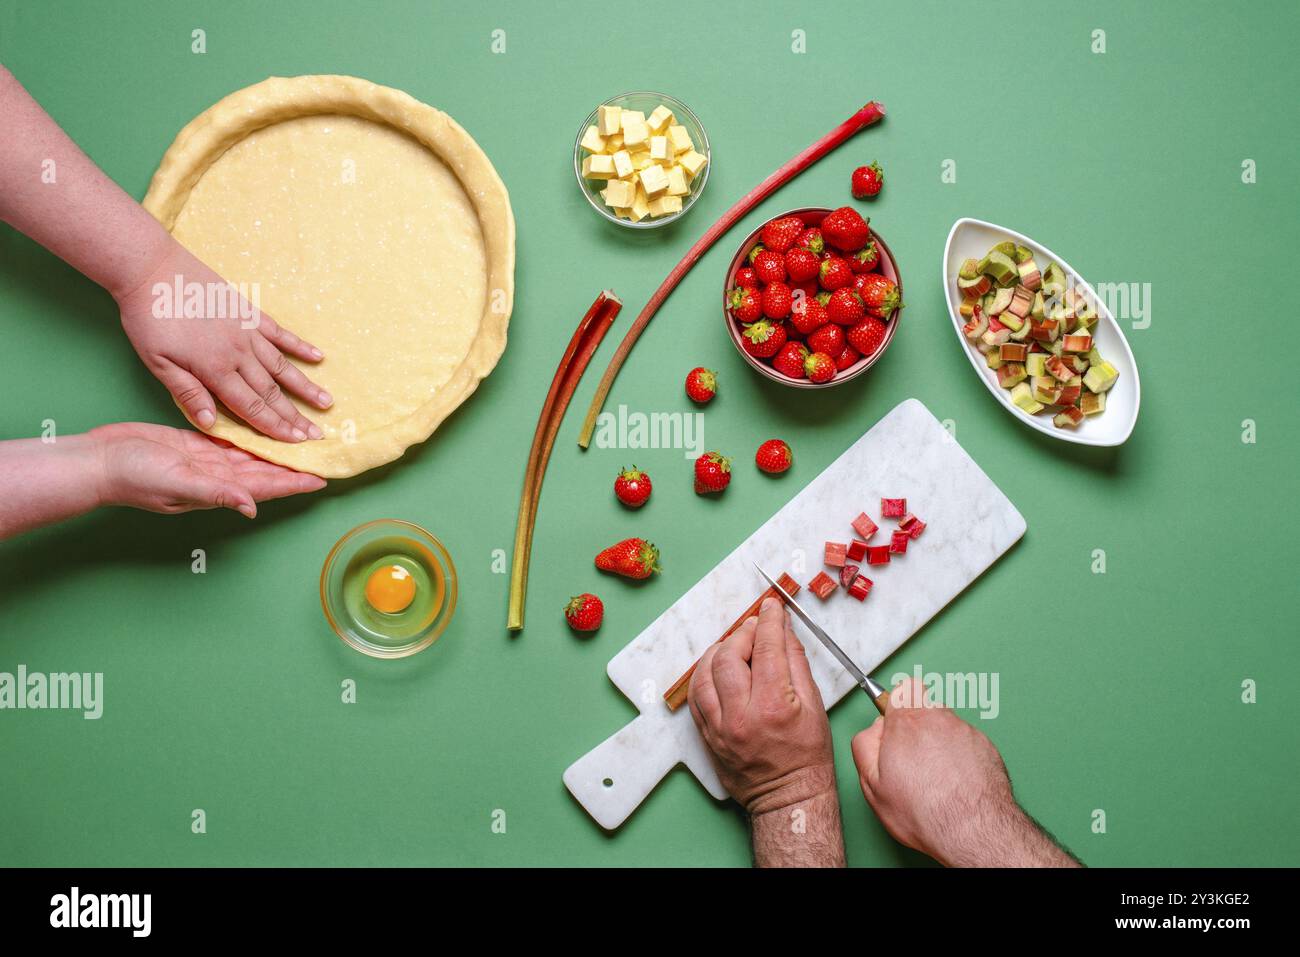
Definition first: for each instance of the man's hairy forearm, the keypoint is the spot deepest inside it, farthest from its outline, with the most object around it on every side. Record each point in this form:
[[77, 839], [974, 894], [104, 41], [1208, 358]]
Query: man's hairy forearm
[[1006, 837], [806, 834]]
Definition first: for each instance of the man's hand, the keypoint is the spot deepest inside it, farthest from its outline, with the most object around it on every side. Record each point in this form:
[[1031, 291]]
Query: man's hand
[[762, 717], [940, 787]]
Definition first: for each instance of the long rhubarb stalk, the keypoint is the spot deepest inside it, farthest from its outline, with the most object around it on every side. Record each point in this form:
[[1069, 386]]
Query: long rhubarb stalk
[[869, 114], [586, 338]]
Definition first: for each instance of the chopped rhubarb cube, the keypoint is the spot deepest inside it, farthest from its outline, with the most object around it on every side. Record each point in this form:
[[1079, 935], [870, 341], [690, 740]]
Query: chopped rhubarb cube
[[878, 555], [822, 585], [864, 526], [847, 574], [906, 521], [835, 553], [857, 550], [893, 507], [861, 587], [898, 542], [916, 528]]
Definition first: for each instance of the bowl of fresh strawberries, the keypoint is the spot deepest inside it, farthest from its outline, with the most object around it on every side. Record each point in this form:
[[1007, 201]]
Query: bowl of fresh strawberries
[[812, 297]]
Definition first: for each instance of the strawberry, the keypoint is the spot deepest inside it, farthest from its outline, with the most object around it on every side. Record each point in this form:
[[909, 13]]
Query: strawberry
[[845, 308], [712, 473], [845, 229], [632, 487], [828, 339], [773, 457], [746, 277], [746, 304], [867, 335], [820, 367], [763, 339], [769, 266], [879, 294], [777, 300], [866, 181], [835, 273], [865, 259], [753, 253], [811, 240], [631, 558], [847, 358], [584, 612], [781, 234], [789, 361], [809, 314], [801, 264], [701, 384]]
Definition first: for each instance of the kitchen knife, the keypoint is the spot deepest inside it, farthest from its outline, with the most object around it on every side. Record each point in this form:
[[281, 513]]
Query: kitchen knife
[[878, 694]]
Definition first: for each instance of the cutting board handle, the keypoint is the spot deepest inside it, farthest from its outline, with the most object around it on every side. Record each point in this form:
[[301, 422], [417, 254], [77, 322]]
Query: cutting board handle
[[618, 774]]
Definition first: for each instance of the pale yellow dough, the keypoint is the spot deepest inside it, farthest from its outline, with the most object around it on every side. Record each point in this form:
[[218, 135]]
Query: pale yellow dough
[[373, 226]]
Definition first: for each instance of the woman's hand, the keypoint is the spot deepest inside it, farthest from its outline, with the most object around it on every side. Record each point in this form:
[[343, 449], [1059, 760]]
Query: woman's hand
[[161, 469], [243, 362]]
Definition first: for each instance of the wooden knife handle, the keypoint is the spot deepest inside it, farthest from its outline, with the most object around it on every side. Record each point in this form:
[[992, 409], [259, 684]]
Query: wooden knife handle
[[676, 695]]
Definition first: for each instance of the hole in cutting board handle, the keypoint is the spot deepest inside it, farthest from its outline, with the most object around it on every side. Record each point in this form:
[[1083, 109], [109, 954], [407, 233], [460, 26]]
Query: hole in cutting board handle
[[608, 782]]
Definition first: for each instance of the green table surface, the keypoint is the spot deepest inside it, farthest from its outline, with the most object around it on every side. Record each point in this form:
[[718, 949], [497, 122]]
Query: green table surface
[[1120, 692]]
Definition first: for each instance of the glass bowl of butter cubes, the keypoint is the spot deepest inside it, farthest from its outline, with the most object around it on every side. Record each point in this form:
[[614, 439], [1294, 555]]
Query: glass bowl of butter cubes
[[642, 159]]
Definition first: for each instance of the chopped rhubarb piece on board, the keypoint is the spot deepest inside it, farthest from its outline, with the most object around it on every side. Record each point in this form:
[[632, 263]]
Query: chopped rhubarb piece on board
[[847, 574], [835, 553], [822, 585], [898, 542], [860, 588], [878, 555], [916, 528], [893, 507], [864, 526], [857, 550]]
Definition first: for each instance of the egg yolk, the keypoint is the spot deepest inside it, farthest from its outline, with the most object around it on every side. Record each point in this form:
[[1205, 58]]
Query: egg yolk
[[390, 589]]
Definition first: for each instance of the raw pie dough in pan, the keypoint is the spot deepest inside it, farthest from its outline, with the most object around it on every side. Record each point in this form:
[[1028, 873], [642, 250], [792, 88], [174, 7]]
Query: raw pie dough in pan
[[373, 226]]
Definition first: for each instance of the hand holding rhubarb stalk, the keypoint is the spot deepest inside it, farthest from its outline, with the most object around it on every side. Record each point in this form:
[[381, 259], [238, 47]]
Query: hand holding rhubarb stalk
[[869, 114]]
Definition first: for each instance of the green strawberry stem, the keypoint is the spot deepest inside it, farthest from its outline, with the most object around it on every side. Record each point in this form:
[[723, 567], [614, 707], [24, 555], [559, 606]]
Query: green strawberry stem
[[871, 113], [586, 338]]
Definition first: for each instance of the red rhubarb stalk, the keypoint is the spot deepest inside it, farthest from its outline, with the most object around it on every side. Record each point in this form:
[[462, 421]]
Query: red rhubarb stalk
[[869, 114], [586, 338]]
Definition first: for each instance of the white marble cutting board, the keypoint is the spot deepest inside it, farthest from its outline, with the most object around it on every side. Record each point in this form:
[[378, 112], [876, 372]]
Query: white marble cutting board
[[907, 454]]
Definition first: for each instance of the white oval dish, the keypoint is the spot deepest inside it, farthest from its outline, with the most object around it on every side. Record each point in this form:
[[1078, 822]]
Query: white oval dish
[[972, 239]]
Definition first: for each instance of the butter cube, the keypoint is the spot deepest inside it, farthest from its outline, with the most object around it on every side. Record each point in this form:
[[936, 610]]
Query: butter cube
[[679, 139], [654, 179], [620, 192], [677, 182], [692, 162], [641, 159], [635, 131], [659, 148], [614, 143], [660, 118], [622, 165], [597, 166], [665, 205], [609, 119], [592, 141], [640, 205], [623, 212]]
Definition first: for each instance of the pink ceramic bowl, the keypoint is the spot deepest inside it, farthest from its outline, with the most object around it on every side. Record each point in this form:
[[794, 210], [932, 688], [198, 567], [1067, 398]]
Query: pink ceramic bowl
[[812, 216]]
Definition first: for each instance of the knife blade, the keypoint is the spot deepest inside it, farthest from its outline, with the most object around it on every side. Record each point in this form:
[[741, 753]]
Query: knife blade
[[878, 694]]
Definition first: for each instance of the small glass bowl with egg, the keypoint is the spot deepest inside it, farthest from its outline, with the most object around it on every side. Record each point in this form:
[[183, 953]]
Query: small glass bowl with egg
[[668, 145], [388, 588]]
